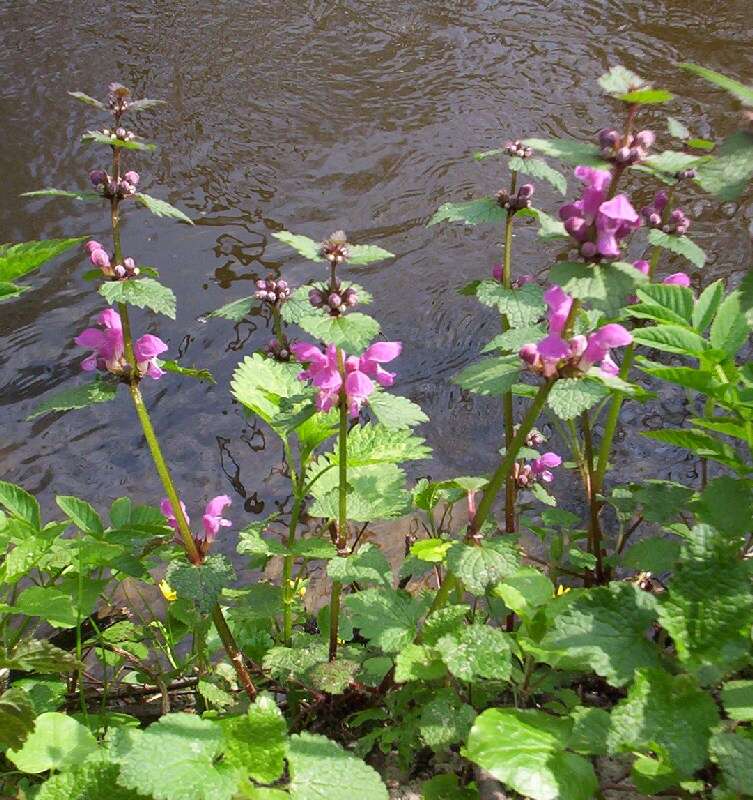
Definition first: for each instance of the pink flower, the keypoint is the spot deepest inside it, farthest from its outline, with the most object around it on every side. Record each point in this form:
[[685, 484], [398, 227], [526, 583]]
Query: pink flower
[[167, 509], [559, 304], [213, 519], [677, 279], [98, 256], [600, 342], [543, 465], [497, 272], [642, 266], [146, 349], [375, 355]]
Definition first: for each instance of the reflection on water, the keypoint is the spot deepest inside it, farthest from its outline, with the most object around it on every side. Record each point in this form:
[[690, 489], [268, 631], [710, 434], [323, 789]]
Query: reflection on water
[[311, 115]]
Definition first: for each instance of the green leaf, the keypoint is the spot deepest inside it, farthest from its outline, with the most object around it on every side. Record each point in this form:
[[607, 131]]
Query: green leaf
[[255, 743], [367, 565], [432, 550], [142, 293], [386, 617], [16, 718], [590, 730], [671, 339], [201, 583], [100, 390], [50, 604], [332, 677], [320, 769], [418, 662], [235, 311], [737, 699], [188, 372], [727, 505], [526, 751], [646, 96], [522, 306], [739, 90], [306, 247], [376, 444], [447, 787], [511, 341], [570, 397], [85, 197], [677, 129], [550, 227], [665, 714], [90, 101], [19, 259], [603, 629], [677, 299], [10, 290], [612, 282], [144, 104], [570, 151], [708, 610], [538, 168], [82, 514], [39, 656], [707, 304], [678, 244], [480, 567], [94, 779], [20, 503], [733, 753], [367, 254], [352, 332], [701, 443], [174, 759], [490, 376], [619, 80], [727, 176], [485, 210], [57, 742], [525, 591], [130, 144], [161, 208], [729, 330], [445, 720], [477, 652], [394, 411], [652, 555], [671, 161]]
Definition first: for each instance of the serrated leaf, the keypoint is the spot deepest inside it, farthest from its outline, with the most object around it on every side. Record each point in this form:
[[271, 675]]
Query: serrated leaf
[[525, 749], [20, 503], [445, 720], [707, 304], [332, 677], [613, 282], [677, 299], [188, 372], [418, 662], [729, 173], [90, 101], [733, 753], [678, 244], [376, 444], [701, 443], [256, 741], [82, 514], [570, 397], [367, 254], [368, 565], [619, 80], [432, 550], [739, 90], [549, 227], [306, 247], [144, 104], [652, 555], [671, 161], [126, 144], [522, 306], [386, 617], [396, 412], [729, 330], [737, 699], [485, 210], [603, 629], [99, 390], [16, 718], [538, 168], [57, 742], [477, 652], [352, 332], [726, 504], [646, 96], [235, 311], [17, 260], [590, 730], [511, 341], [161, 208], [38, 656], [174, 759], [570, 151], [490, 376], [142, 293], [671, 339], [665, 713], [84, 197], [201, 583], [480, 567], [525, 591], [321, 770], [94, 779]]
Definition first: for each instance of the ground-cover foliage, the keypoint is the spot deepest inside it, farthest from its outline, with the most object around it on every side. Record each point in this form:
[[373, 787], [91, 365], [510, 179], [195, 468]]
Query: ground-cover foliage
[[518, 648]]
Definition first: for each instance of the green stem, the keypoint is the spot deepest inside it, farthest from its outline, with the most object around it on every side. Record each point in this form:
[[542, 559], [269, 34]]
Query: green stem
[[507, 406], [594, 526], [287, 573]]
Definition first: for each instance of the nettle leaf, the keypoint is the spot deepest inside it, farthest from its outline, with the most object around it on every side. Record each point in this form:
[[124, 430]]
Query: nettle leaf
[[733, 753], [490, 376], [511, 341], [130, 144], [590, 730], [700, 443], [386, 617], [292, 663], [201, 583], [333, 677], [84, 197], [394, 411], [525, 591], [726, 504], [373, 443], [620, 80], [678, 244], [352, 332], [477, 652], [538, 168], [320, 768], [445, 720], [570, 397], [142, 293], [235, 311], [652, 555], [175, 759], [550, 227], [95, 779], [485, 210], [306, 247], [708, 610], [739, 90], [161, 208], [90, 101], [21, 504], [525, 749], [480, 567], [522, 306], [16, 718], [100, 390], [187, 372], [57, 742], [418, 662], [17, 260], [367, 254], [603, 629], [366, 566], [262, 384], [432, 550], [671, 161], [612, 282], [570, 151], [728, 175], [255, 742], [737, 699], [82, 514], [665, 714], [39, 656]]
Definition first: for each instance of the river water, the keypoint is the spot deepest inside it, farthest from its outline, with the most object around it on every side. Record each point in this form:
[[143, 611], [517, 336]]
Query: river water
[[312, 116]]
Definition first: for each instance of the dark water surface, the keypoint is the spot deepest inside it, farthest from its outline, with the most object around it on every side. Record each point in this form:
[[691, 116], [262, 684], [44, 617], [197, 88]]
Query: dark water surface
[[311, 116]]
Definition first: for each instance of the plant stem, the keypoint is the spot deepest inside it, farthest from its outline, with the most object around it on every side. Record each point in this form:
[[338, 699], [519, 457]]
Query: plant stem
[[287, 572], [507, 407], [594, 527], [342, 508]]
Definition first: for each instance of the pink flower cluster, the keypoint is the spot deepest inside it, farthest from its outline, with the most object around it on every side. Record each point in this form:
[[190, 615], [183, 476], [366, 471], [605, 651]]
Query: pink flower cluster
[[212, 520], [630, 149], [108, 348], [324, 372], [596, 223], [554, 356], [653, 214], [100, 258], [109, 187], [540, 469]]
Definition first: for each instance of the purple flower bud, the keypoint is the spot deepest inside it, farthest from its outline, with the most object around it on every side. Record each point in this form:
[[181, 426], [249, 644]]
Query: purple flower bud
[[260, 284], [523, 280], [608, 138], [497, 272], [588, 249], [528, 353], [132, 177], [316, 298], [351, 298], [660, 199], [636, 154], [525, 191], [98, 177], [577, 227], [644, 139], [654, 220], [623, 155], [678, 215], [129, 264], [100, 259], [282, 286], [119, 271], [120, 133], [334, 300]]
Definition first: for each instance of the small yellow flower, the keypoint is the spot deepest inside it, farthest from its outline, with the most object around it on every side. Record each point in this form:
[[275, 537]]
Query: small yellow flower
[[562, 590], [168, 592]]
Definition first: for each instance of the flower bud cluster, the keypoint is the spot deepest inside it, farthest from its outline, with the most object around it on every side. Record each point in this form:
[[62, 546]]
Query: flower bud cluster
[[116, 272], [520, 200], [538, 470], [272, 291], [109, 187], [625, 151], [535, 438], [335, 249], [334, 301], [516, 283], [653, 214], [517, 148], [277, 350], [117, 99], [685, 174], [119, 133]]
